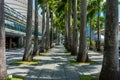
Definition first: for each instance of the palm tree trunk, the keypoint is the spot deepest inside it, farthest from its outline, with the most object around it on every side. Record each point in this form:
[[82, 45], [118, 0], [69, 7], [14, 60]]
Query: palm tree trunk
[[36, 49], [99, 35], [3, 71], [66, 31], [74, 45], [69, 24], [47, 28], [57, 32], [110, 67], [28, 54], [51, 31], [91, 45], [83, 54], [43, 27]]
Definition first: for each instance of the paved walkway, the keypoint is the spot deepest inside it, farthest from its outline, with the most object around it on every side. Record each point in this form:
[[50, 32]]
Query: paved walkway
[[54, 66], [13, 55], [89, 69]]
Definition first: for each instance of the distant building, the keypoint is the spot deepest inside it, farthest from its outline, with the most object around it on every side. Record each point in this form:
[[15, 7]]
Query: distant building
[[15, 23]]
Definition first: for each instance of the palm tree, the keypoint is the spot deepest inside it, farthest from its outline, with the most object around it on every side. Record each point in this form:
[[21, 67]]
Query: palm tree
[[51, 30], [69, 23], [43, 26], [110, 66], [83, 54], [90, 16], [52, 10], [98, 3], [3, 71], [74, 43], [47, 27], [66, 29], [36, 49], [62, 13], [94, 7], [28, 47]]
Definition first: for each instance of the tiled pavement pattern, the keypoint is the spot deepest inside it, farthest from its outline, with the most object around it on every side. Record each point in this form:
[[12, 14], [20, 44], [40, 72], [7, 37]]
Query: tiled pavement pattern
[[54, 66], [90, 69]]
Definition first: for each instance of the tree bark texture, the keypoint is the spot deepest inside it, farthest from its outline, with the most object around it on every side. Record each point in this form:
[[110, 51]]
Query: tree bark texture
[[75, 40], [47, 28], [69, 23], [91, 45], [99, 34], [43, 27], [110, 66], [51, 31], [3, 71], [83, 54], [36, 49], [28, 53], [66, 29]]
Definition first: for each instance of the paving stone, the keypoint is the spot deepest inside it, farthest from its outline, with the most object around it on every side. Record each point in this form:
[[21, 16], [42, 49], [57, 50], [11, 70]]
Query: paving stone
[[53, 66]]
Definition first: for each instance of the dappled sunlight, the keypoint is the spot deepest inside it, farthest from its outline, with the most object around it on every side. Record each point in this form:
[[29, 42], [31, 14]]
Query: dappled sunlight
[[18, 70], [53, 66], [91, 68]]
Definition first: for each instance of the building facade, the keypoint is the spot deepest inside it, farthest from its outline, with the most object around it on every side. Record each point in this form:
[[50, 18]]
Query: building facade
[[15, 23]]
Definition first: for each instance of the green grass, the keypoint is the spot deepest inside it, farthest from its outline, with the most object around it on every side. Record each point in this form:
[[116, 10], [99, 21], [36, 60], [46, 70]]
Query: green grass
[[85, 77], [74, 62], [89, 77], [91, 62], [24, 63], [16, 78]]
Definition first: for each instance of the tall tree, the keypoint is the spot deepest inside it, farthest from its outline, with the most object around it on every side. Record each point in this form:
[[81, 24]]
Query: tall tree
[[28, 46], [43, 26], [69, 23], [94, 7], [3, 71], [36, 49], [66, 29], [75, 39], [83, 54], [98, 24], [47, 27], [51, 30], [98, 8], [90, 16], [110, 67]]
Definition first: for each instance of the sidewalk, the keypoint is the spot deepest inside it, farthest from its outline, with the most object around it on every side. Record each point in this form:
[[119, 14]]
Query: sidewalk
[[14, 55], [87, 68], [53, 66]]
